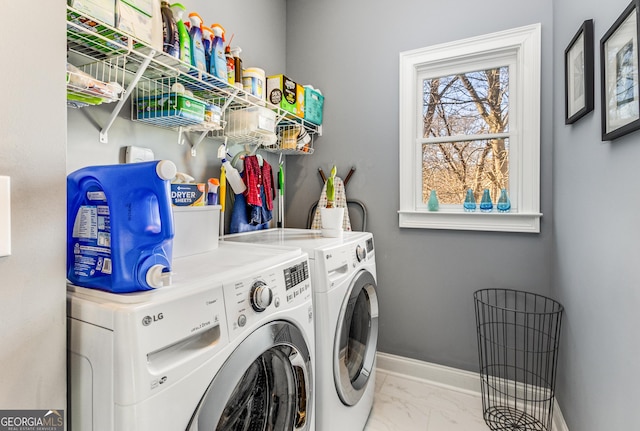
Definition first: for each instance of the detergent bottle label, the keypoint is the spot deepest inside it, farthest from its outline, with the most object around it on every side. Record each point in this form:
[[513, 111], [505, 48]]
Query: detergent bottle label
[[92, 238]]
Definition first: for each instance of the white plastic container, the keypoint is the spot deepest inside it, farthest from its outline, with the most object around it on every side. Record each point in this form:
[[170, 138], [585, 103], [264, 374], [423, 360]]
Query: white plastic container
[[254, 82], [196, 229], [254, 120]]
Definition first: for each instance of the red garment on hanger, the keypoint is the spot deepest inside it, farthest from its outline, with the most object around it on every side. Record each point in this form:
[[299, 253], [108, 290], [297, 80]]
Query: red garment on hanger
[[255, 177]]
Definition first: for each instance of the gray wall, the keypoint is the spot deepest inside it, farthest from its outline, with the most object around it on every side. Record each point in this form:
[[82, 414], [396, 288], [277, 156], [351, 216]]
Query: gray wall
[[32, 153], [426, 277], [596, 235]]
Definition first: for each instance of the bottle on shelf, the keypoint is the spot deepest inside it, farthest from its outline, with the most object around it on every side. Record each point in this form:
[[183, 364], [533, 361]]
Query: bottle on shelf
[[469, 201], [486, 205], [198, 59], [170, 35], [207, 43], [238, 65], [504, 203], [231, 69], [183, 34], [218, 66]]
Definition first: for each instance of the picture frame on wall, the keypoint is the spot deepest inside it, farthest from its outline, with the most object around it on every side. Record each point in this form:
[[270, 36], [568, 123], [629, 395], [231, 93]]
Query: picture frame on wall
[[619, 71], [578, 74]]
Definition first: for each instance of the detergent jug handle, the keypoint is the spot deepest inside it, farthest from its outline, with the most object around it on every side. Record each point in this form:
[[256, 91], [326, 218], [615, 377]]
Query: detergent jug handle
[[166, 171]]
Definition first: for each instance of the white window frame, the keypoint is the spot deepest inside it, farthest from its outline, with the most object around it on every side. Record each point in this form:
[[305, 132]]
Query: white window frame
[[518, 48]]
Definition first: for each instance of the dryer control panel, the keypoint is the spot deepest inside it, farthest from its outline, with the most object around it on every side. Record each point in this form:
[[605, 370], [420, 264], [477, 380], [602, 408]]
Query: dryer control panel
[[266, 294]]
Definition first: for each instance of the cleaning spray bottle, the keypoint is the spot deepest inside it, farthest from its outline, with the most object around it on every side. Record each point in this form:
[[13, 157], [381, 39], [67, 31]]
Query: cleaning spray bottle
[[218, 60], [198, 60], [207, 42], [170, 35], [233, 177], [183, 35], [212, 192]]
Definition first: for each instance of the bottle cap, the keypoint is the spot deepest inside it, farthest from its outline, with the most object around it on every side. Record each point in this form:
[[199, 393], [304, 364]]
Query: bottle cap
[[166, 169], [218, 30], [196, 18], [158, 277]]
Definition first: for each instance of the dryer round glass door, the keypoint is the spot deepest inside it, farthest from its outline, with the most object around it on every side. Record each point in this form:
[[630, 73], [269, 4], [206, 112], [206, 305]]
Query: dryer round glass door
[[356, 338], [264, 385]]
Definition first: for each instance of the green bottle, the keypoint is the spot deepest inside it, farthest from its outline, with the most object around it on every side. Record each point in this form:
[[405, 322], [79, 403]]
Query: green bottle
[[433, 204], [183, 35]]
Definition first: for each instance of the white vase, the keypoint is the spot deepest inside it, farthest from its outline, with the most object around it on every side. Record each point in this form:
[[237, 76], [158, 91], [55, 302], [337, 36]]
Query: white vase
[[331, 221]]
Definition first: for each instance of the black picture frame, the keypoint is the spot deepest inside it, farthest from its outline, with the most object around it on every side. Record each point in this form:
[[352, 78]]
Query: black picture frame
[[578, 74], [620, 85]]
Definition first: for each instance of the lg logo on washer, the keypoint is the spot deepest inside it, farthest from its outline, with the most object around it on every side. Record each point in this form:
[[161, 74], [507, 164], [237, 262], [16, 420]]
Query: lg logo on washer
[[148, 320]]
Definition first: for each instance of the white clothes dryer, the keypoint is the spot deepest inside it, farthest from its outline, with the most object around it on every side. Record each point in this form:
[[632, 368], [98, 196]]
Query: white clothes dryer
[[228, 346], [343, 273]]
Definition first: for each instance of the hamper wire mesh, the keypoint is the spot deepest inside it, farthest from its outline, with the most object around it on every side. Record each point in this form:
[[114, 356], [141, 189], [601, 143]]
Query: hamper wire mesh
[[518, 338]]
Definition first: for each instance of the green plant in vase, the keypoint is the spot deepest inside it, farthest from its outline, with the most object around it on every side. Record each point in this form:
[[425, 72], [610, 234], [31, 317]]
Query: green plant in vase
[[331, 190]]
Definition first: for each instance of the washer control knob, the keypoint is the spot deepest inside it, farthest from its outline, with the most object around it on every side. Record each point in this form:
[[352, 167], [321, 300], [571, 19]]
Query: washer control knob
[[242, 320], [261, 296], [361, 253]]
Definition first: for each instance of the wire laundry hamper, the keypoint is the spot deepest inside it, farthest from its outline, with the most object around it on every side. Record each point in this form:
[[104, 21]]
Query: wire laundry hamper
[[518, 338]]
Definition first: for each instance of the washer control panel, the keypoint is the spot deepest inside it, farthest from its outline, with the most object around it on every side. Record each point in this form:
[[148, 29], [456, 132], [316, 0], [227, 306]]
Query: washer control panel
[[251, 300]]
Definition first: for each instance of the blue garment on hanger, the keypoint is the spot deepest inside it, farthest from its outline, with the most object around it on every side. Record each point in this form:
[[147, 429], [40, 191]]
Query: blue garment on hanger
[[240, 217], [260, 214]]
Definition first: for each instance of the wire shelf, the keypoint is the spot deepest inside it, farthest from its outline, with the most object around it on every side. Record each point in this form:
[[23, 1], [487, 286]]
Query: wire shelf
[[144, 72]]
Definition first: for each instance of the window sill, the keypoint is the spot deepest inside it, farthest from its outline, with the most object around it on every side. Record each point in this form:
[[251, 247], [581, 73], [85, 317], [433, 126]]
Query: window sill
[[479, 221]]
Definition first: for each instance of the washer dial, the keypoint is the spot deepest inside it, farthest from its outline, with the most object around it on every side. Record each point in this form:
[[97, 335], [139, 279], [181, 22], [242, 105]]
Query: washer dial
[[261, 296]]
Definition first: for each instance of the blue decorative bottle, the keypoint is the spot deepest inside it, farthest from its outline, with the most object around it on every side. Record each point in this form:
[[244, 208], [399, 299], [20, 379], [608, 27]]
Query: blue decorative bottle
[[433, 204], [504, 204], [469, 201], [486, 205]]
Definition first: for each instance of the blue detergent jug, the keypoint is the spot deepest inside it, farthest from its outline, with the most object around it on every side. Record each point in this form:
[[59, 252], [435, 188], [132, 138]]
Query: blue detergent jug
[[120, 226]]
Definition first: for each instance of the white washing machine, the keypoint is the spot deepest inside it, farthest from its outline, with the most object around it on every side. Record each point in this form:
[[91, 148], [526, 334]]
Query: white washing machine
[[343, 273], [228, 346]]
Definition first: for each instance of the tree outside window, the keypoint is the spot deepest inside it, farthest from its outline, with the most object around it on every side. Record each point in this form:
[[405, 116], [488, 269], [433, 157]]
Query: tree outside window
[[455, 108]]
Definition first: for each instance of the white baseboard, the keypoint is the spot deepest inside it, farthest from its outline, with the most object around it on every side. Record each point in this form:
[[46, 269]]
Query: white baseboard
[[446, 376]]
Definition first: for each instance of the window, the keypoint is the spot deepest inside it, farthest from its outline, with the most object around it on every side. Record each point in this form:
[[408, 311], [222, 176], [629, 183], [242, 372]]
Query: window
[[470, 119]]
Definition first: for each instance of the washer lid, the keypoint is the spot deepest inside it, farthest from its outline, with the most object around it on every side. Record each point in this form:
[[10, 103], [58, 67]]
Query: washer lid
[[205, 269], [306, 239]]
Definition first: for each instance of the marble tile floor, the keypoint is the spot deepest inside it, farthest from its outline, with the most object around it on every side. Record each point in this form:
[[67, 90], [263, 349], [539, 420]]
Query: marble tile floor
[[404, 403]]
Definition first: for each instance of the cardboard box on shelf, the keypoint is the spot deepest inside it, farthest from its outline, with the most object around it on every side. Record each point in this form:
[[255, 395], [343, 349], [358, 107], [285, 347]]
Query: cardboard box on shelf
[[134, 22], [101, 10], [286, 93], [313, 105]]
